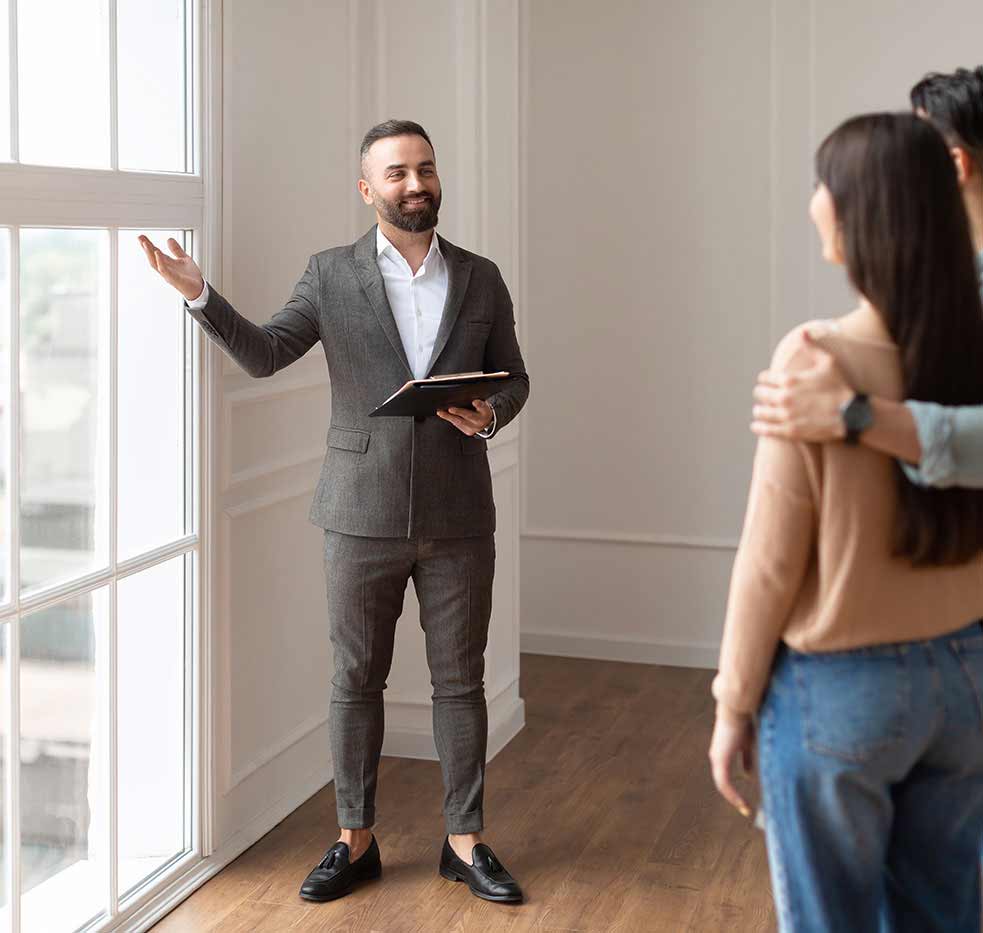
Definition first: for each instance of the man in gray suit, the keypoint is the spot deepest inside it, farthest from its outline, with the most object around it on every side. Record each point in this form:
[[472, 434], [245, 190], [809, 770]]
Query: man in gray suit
[[398, 498]]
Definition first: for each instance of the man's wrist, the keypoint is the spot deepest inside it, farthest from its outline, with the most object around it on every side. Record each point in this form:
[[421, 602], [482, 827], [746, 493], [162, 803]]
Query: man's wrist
[[488, 431], [200, 300]]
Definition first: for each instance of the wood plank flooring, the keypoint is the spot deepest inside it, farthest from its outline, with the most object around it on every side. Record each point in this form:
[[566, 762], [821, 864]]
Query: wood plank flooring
[[602, 807]]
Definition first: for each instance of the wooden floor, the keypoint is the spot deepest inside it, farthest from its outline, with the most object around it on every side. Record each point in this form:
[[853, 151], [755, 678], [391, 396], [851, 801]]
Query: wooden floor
[[602, 807]]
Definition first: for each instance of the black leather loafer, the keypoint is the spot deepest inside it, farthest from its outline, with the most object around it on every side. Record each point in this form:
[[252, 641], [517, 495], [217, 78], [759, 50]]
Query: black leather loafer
[[487, 877], [335, 876]]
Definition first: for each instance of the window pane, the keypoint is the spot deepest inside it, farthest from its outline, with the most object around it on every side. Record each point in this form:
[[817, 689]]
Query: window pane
[[151, 67], [64, 453], [63, 83], [151, 401], [4, 80], [151, 651], [64, 674], [5, 512]]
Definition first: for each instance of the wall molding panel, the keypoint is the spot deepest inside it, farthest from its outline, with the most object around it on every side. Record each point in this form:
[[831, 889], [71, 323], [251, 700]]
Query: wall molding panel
[[311, 456], [626, 587]]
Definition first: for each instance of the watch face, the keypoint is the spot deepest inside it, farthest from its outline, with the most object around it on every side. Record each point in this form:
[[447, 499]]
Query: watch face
[[857, 416]]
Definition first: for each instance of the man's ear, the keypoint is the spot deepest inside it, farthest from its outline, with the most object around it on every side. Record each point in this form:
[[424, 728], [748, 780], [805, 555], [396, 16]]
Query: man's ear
[[365, 191], [964, 164]]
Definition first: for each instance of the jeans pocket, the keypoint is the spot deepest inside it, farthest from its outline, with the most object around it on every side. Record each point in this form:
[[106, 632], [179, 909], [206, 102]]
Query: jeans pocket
[[854, 705]]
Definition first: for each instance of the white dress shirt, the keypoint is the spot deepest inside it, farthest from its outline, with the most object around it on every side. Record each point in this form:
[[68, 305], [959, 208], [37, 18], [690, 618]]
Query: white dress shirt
[[416, 301]]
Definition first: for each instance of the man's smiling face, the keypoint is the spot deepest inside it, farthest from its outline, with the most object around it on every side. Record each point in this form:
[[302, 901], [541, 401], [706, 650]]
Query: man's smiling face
[[399, 178]]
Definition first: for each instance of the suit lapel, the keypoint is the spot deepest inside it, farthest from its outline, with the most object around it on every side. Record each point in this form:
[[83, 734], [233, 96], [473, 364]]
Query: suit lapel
[[458, 276], [370, 278]]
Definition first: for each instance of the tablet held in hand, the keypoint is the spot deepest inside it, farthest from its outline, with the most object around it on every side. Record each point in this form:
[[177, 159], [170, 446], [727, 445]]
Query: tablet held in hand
[[424, 397]]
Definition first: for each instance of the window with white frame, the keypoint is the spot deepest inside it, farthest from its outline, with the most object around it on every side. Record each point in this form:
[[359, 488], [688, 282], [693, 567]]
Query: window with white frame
[[99, 423]]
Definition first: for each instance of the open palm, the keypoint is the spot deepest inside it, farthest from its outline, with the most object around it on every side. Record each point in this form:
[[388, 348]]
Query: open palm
[[178, 270]]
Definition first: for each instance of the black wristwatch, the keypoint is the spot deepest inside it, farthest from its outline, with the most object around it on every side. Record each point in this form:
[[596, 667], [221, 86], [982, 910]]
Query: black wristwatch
[[857, 416]]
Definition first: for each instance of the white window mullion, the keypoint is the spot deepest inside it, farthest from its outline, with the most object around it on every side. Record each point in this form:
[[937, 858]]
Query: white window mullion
[[191, 762], [113, 552], [12, 840], [36, 602], [113, 90], [194, 786], [112, 795], [13, 424], [14, 120], [12, 803], [190, 86], [189, 407]]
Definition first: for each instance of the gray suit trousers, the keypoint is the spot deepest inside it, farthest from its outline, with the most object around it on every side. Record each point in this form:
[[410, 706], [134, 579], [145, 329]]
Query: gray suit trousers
[[366, 582]]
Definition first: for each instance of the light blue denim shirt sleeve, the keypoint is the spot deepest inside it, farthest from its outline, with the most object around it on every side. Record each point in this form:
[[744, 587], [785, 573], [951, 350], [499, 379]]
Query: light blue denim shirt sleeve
[[951, 440]]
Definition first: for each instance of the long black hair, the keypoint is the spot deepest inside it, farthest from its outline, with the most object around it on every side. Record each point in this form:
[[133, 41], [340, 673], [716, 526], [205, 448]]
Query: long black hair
[[906, 241]]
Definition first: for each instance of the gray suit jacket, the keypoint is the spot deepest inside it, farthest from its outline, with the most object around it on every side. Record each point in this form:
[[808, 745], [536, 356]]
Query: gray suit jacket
[[388, 477]]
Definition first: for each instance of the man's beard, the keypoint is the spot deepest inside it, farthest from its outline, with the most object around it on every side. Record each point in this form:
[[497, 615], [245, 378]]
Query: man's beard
[[410, 221]]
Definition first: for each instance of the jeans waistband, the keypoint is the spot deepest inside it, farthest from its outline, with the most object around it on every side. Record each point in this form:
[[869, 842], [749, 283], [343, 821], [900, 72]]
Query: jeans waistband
[[972, 631]]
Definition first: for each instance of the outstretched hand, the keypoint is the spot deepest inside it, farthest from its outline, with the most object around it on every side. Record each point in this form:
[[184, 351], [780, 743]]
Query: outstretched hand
[[179, 270], [467, 421]]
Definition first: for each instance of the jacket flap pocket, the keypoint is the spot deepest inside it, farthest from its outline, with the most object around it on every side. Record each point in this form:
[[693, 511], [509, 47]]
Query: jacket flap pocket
[[345, 439]]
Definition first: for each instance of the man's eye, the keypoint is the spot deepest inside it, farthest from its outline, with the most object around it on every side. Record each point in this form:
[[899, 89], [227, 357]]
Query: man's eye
[[395, 176]]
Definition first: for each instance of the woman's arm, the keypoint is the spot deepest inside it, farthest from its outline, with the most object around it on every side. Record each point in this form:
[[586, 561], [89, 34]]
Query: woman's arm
[[771, 562]]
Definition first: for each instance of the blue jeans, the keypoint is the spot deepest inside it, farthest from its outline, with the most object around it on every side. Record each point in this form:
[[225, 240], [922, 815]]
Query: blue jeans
[[872, 785]]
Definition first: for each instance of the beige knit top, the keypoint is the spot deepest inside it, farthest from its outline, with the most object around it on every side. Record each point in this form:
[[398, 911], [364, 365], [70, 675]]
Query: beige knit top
[[814, 566]]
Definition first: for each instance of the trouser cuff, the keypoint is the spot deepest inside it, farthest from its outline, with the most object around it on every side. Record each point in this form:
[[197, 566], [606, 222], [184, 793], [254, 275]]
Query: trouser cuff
[[356, 819], [460, 823]]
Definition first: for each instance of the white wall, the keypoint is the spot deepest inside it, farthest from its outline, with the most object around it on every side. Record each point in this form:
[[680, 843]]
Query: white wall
[[667, 164], [302, 82]]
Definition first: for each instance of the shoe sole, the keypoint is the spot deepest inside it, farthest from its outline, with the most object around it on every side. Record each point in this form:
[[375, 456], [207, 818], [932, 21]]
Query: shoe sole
[[323, 899], [451, 875]]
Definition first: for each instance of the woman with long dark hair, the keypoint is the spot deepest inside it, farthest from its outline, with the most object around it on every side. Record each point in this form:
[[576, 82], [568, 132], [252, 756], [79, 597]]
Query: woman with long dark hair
[[849, 630]]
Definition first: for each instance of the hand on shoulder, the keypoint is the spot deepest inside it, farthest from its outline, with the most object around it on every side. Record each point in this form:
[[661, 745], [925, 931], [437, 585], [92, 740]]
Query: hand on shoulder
[[800, 396]]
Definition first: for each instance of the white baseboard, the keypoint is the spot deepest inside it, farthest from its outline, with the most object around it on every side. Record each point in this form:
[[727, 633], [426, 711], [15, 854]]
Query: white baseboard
[[184, 886], [670, 654], [409, 729]]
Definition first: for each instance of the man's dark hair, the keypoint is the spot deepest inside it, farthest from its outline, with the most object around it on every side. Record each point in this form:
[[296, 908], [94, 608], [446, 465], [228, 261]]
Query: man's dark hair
[[391, 128], [908, 250], [954, 103]]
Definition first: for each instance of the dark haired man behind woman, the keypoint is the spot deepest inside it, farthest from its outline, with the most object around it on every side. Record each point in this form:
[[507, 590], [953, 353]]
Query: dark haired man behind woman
[[849, 628]]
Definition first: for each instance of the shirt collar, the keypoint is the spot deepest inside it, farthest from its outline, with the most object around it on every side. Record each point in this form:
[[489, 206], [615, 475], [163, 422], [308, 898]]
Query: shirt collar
[[383, 245]]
